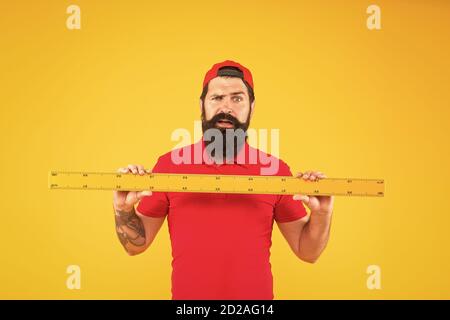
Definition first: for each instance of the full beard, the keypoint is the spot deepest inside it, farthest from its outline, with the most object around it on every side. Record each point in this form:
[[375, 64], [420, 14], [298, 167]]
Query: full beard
[[233, 138]]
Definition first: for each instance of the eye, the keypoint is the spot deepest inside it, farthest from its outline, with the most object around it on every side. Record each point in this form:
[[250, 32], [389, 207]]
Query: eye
[[237, 98]]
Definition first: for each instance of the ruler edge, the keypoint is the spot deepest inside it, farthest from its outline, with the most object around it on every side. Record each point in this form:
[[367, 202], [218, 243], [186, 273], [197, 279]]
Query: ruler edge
[[202, 174], [52, 172]]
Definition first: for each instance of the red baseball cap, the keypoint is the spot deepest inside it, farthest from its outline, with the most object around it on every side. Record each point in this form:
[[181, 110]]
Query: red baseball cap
[[214, 72]]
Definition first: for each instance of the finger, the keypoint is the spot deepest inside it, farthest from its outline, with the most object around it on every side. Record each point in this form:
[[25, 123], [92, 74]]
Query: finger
[[306, 175], [299, 175], [306, 200], [140, 169], [315, 175], [122, 170], [312, 177], [132, 168], [131, 198], [142, 194], [148, 171], [300, 197]]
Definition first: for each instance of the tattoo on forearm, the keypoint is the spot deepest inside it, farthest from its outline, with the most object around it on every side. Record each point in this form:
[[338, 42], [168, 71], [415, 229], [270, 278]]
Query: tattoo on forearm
[[129, 228]]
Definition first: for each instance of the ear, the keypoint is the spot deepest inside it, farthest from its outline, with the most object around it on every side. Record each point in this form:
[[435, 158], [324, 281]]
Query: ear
[[200, 104], [252, 108]]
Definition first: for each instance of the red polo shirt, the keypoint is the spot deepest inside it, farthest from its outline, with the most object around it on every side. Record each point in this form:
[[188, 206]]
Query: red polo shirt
[[220, 242]]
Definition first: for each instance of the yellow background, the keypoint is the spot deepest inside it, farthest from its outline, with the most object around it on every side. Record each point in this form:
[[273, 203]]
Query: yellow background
[[348, 101]]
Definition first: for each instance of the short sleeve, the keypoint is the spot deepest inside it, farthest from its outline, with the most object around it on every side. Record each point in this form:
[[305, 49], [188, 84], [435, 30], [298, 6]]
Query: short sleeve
[[156, 205], [286, 208]]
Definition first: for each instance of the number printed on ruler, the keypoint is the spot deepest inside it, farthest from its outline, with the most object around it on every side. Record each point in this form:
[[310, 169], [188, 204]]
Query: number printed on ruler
[[166, 182]]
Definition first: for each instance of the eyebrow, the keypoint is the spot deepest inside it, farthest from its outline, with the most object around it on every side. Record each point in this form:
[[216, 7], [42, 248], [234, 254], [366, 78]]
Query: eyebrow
[[232, 94]]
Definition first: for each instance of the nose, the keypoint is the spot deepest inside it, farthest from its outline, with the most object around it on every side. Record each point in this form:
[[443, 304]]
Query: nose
[[225, 108]]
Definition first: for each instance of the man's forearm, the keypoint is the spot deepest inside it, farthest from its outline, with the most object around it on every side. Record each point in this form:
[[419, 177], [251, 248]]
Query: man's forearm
[[130, 230], [314, 237]]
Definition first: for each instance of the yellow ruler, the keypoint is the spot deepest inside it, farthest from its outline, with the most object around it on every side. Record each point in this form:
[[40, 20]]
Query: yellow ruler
[[215, 183]]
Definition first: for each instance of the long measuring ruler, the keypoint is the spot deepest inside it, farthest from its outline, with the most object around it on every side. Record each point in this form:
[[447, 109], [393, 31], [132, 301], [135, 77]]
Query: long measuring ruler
[[214, 183]]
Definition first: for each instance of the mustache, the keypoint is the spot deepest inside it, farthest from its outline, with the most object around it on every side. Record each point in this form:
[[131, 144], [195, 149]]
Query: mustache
[[225, 116]]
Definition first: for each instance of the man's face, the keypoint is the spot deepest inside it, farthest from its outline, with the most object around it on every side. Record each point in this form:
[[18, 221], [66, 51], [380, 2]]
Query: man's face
[[227, 95], [227, 108]]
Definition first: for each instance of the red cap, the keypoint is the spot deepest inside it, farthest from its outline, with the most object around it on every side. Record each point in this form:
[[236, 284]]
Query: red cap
[[213, 72]]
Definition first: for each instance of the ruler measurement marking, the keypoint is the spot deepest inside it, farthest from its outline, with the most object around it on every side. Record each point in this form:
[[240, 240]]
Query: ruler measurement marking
[[215, 183]]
